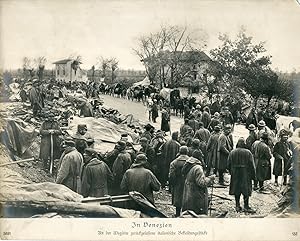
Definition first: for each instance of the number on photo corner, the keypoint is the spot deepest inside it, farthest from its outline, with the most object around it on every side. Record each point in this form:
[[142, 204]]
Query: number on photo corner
[[294, 233]]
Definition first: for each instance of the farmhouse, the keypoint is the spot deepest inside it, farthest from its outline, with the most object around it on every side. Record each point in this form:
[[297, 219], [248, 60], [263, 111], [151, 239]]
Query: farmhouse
[[66, 72]]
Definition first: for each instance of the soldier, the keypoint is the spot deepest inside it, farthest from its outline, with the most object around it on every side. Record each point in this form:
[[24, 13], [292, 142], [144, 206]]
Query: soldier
[[96, 175], [242, 170], [262, 157]]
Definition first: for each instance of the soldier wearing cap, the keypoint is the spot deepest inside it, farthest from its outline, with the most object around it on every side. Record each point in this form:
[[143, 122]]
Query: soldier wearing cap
[[252, 136], [184, 127], [95, 176], [242, 170], [282, 153], [140, 179], [121, 164], [70, 166], [227, 117], [149, 152], [35, 99], [86, 109], [82, 138], [214, 121], [197, 113], [262, 158], [149, 130], [50, 141], [206, 117], [225, 146], [176, 179], [195, 194], [263, 128], [169, 152], [212, 150]]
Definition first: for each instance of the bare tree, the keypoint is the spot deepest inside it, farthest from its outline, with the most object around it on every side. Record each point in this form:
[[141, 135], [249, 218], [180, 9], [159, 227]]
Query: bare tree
[[28, 66], [163, 52], [113, 66], [104, 65]]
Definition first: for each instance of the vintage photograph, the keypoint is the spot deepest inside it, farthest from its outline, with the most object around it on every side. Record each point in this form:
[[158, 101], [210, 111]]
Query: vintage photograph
[[149, 109]]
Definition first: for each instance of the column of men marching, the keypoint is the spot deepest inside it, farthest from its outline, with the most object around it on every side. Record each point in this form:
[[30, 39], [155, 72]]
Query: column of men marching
[[185, 165]]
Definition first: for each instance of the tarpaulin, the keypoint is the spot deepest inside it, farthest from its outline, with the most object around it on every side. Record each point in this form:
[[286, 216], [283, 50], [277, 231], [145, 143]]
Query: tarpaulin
[[104, 132], [18, 136]]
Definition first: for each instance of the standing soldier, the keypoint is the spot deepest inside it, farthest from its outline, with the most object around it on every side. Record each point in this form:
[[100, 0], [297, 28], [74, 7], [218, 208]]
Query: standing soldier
[[262, 157], [184, 127], [212, 150], [149, 152], [154, 111], [227, 118], [50, 141], [242, 170], [121, 164], [165, 120], [34, 97], [176, 178], [225, 146], [140, 179], [214, 121], [206, 117], [195, 194], [169, 152], [252, 136], [95, 175], [283, 154], [70, 166]]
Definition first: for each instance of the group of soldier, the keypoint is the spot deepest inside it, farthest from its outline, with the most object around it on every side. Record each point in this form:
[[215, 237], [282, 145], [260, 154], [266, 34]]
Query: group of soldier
[[185, 165]]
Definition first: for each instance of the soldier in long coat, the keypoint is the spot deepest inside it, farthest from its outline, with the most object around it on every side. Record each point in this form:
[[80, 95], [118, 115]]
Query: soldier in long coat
[[169, 152], [70, 167], [193, 123], [149, 152], [195, 151], [202, 133], [262, 156], [242, 170], [282, 157], [206, 117], [195, 194], [165, 120], [212, 150], [225, 146], [50, 130], [176, 178], [227, 118], [140, 179], [35, 100], [184, 127], [95, 176], [120, 166]]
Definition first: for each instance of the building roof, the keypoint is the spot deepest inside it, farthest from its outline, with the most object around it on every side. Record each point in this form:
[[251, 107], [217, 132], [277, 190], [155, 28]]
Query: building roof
[[63, 61]]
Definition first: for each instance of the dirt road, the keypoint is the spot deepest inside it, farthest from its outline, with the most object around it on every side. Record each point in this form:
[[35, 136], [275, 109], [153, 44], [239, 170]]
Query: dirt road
[[263, 203]]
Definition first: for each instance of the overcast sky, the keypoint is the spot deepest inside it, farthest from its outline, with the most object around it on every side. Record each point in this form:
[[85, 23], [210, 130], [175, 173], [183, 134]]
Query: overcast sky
[[92, 28]]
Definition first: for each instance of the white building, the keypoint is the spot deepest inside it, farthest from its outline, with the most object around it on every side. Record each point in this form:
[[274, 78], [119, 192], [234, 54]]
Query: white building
[[64, 72]]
